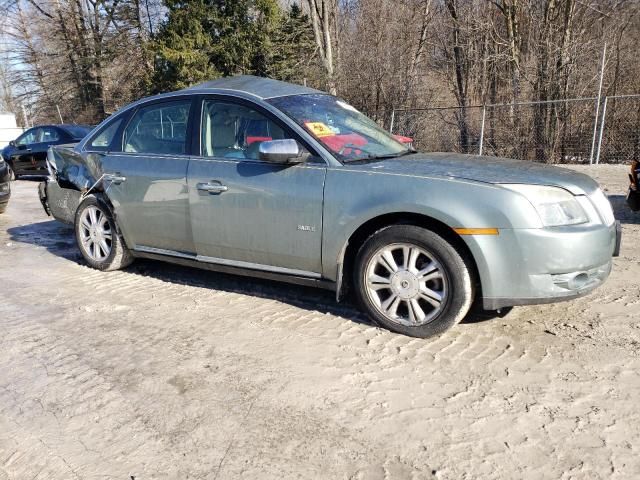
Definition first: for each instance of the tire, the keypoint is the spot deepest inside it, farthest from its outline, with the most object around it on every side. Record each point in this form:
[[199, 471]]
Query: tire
[[94, 223], [12, 174], [428, 293]]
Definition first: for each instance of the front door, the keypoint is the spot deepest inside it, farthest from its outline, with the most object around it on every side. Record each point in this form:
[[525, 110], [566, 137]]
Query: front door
[[146, 180], [250, 213], [26, 152]]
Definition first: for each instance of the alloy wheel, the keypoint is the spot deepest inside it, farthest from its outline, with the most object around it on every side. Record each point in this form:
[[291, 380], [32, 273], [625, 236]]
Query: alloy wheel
[[406, 284], [95, 233]]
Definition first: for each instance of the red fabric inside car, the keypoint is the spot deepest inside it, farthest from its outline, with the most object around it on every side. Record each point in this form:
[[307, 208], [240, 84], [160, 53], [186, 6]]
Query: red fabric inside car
[[338, 142], [252, 139], [402, 139]]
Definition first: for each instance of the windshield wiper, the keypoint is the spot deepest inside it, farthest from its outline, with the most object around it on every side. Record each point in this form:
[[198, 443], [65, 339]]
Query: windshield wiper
[[410, 151]]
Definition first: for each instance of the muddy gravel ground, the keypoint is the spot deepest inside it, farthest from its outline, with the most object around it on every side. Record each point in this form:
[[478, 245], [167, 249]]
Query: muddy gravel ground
[[161, 371]]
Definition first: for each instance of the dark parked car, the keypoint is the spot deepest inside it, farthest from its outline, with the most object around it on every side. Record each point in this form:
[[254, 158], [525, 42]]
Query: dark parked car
[[27, 154], [633, 197], [5, 187]]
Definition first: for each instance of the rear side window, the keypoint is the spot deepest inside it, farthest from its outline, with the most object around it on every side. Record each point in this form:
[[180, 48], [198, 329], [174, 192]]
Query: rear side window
[[159, 128], [104, 138], [49, 134], [77, 131]]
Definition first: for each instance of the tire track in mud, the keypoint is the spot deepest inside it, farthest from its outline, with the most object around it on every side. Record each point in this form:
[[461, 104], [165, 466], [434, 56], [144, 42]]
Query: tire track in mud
[[164, 352], [63, 388], [74, 390]]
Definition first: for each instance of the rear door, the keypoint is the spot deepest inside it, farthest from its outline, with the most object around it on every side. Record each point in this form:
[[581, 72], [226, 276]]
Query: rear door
[[146, 177], [246, 212], [48, 136]]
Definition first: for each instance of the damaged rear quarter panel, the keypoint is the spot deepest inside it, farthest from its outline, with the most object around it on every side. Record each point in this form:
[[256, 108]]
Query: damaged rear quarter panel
[[72, 169], [74, 175]]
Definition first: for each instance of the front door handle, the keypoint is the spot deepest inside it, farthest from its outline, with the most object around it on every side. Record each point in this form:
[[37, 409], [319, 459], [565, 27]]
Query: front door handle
[[212, 188], [116, 178]]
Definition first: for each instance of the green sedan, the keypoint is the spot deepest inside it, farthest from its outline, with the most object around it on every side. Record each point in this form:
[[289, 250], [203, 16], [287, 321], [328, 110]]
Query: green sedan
[[264, 178]]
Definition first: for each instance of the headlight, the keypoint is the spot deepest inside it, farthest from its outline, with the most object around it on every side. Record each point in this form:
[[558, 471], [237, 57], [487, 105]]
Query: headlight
[[554, 205]]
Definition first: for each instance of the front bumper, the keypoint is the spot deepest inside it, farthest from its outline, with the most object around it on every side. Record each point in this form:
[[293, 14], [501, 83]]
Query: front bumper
[[554, 288], [535, 266]]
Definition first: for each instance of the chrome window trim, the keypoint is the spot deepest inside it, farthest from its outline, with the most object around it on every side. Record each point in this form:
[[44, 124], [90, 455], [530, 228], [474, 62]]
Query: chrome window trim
[[149, 155], [310, 166]]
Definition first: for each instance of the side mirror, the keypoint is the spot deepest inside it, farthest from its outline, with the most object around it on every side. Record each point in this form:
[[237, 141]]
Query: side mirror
[[282, 151], [12, 143]]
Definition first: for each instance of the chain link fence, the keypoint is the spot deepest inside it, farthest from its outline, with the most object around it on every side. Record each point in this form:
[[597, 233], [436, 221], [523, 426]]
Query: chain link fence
[[619, 130], [557, 131]]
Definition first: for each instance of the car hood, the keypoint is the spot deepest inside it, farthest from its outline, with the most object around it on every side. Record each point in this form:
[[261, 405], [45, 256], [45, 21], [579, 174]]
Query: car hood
[[483, 169]]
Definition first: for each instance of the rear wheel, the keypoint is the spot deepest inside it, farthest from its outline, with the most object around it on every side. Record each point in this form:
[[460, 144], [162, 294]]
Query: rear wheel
[[412, 281], [98, 238]]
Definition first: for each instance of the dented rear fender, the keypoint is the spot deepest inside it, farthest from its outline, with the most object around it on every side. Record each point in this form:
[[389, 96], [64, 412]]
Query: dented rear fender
[[73, 170]]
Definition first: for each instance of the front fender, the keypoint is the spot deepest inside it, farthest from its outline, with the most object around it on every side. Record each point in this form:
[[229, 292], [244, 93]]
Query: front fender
[[353, 198]]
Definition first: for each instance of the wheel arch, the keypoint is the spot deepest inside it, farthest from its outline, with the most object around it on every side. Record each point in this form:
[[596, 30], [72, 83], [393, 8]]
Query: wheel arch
[[346, 260]]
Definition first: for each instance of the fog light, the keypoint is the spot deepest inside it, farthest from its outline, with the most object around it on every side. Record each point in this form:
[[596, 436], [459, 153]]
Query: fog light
[[579, 281]]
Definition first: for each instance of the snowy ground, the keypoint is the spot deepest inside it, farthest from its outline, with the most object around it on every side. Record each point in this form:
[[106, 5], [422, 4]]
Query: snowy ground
[[161, 371]]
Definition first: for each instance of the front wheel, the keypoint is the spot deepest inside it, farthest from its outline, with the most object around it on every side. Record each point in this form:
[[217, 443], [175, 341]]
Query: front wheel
[[412, 281], [98, 238], [12, 173]]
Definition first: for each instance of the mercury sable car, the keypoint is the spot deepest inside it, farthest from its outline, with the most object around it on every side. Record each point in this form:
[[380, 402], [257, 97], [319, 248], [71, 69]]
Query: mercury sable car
[[255, 176]]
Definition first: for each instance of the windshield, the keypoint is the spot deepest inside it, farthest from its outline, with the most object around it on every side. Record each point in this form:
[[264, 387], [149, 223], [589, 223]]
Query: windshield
[[347, 133]]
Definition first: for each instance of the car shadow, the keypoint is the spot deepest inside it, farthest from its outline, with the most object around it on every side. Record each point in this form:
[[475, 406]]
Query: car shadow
[[33, 178], [622, 211], [58, 238]]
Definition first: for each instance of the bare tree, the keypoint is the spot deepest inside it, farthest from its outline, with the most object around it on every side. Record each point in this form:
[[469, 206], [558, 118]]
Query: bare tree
[[323, 15]]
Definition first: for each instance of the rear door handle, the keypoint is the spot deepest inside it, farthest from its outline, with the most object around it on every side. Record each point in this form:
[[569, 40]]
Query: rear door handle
[[212, 188], [115, 178]]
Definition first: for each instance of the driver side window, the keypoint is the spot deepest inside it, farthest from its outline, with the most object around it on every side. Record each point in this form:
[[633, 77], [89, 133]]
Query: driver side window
[[232, 130]]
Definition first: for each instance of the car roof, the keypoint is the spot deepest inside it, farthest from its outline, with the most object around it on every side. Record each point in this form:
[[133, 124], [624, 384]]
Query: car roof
[[260, 87], [60, 125]]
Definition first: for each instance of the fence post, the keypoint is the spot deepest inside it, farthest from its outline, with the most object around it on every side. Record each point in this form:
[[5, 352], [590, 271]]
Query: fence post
[[595, 121], [604, 116], [26, 119], [393, 118], [484, 112]]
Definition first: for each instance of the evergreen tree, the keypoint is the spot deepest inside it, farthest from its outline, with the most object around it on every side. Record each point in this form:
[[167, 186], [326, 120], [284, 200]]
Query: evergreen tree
[[205, 39], [294, 51]]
